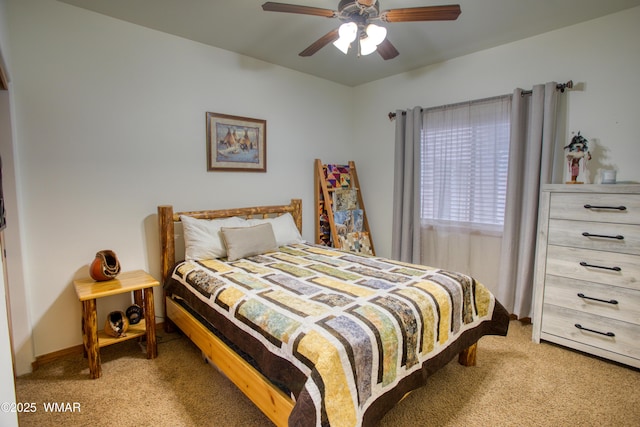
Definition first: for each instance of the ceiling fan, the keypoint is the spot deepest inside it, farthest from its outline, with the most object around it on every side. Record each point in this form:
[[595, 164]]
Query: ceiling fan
[[359, 21]]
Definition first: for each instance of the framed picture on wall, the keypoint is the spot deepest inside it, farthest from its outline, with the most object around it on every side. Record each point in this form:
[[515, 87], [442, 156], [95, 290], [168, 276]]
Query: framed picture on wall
[[236, 143]]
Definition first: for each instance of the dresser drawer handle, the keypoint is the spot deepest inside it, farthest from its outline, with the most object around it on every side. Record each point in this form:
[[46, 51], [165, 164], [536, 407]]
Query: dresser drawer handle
[[582, 328], [584, 264], [619, 208], [604, 236], [611, 301]]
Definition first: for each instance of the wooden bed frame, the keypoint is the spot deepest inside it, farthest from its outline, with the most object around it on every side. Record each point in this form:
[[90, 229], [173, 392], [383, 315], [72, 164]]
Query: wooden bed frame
[[267, 397]]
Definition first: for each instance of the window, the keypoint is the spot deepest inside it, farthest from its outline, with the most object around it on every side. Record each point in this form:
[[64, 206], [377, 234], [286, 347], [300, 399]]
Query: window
[[464, 158]]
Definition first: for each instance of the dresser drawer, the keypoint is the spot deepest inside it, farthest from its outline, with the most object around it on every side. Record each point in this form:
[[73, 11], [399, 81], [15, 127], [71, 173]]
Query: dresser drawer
[[566, 262], [562, 322], [602, 236], [602, 300], [572, 206]]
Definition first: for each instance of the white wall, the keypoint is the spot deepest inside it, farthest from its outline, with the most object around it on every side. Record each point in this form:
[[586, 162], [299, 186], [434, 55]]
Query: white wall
[[110, 123], [600, 56], [7, 391]]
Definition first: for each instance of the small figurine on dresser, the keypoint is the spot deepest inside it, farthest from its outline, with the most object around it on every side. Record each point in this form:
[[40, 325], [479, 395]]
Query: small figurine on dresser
[[578, 150]]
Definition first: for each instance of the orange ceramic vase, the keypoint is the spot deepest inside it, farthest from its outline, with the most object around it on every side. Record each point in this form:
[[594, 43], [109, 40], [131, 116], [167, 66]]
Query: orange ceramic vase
[[105, 266]]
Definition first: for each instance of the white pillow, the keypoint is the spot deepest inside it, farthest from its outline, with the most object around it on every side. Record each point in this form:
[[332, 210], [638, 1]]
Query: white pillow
[[202, 238], [242, 242], [284, 228]]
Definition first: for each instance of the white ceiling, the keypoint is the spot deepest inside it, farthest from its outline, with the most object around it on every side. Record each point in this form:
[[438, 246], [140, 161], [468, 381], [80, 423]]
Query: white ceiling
[[242, 26]]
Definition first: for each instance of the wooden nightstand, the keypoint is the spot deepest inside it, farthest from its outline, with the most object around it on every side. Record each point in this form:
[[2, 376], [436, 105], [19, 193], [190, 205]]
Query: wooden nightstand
[[141, 284]]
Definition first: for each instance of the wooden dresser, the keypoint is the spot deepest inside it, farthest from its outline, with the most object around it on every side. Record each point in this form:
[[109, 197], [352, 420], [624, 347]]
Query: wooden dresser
[[587, 276]]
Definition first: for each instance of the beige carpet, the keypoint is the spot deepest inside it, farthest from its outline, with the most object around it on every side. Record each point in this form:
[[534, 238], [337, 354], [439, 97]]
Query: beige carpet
[[516, 383]]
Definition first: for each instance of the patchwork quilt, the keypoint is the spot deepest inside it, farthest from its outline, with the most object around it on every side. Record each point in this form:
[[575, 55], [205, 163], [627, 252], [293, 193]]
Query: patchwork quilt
[[348, 334]]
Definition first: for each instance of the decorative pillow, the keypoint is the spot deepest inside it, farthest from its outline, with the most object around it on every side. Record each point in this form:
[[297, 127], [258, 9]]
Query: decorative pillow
[[284, 228], [247, 241], [202, 238]]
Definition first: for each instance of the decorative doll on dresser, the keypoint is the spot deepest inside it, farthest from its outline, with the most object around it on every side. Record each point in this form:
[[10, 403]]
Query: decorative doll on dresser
[[577, 150]]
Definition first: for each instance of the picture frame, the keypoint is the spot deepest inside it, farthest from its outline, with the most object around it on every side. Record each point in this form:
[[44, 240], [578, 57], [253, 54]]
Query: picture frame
[[237, 144]]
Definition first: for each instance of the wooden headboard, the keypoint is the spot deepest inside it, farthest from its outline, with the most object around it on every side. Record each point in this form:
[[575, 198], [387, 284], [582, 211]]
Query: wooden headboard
[[167, 219]]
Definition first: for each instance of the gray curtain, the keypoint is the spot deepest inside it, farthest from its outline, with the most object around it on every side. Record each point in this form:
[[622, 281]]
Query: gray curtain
[[405, 240], [531, 164]]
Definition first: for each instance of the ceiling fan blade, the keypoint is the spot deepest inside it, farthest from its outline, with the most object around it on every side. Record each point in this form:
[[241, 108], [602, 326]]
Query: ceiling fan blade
[[426, 13], [387, 50], [294, 8], [330, 37]]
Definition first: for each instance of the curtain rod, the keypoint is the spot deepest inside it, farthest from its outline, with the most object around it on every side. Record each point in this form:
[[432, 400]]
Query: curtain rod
[[560, 86]]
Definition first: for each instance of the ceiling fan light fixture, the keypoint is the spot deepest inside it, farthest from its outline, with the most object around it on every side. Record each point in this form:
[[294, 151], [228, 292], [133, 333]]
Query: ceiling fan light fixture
[[347, 32], [343, 45], [367, 46], [376, 33], [375, 36], [356, 16]]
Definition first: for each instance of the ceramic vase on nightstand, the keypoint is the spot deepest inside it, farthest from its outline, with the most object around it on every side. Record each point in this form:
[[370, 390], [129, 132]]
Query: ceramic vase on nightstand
[[105, 266]]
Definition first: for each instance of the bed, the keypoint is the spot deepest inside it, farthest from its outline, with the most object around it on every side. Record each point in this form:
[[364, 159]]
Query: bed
[[310, 334]]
